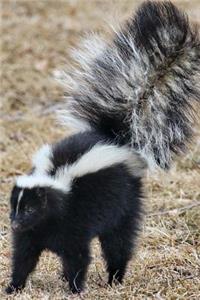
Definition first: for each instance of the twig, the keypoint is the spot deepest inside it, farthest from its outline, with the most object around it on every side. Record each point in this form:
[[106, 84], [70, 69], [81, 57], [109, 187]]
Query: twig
[[174, 211]]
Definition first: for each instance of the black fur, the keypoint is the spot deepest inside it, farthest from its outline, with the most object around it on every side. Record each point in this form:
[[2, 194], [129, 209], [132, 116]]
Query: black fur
[[105, 204], [70, 149]]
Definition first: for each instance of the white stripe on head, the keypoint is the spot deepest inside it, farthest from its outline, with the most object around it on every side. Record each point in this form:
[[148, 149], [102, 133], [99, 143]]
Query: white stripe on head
[[18, 200]]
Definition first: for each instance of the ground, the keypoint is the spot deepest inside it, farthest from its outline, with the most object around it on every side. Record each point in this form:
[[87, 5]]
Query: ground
[[37, 36]]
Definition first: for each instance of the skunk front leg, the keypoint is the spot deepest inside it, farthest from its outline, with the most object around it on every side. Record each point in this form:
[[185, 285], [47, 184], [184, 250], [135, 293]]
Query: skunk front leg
[[25, 258]]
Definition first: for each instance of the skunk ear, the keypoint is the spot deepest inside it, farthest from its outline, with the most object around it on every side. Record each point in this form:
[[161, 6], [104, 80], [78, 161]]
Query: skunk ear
[[40, 192]]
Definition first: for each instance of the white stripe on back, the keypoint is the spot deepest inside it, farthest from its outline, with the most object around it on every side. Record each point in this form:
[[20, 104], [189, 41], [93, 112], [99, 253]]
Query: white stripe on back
[[99, 157]]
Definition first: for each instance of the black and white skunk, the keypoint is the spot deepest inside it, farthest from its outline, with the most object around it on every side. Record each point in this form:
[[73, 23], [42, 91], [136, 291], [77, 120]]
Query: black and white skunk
[[132, 103], [80, 188]]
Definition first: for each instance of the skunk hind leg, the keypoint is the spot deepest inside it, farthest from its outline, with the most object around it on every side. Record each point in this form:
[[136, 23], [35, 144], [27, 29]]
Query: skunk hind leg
[[117, 246]]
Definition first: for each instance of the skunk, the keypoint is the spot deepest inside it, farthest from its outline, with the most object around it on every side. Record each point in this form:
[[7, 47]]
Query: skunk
[[66, 201], [132, 103]]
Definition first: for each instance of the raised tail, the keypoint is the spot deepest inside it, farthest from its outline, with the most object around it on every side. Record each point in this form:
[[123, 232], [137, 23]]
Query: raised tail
[[140, 88]]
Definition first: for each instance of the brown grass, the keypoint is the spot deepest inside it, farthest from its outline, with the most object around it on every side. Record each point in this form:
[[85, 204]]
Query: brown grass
[[36, 39]]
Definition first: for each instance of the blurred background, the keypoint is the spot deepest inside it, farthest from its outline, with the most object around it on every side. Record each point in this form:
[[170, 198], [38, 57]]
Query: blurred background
[[36, 39]]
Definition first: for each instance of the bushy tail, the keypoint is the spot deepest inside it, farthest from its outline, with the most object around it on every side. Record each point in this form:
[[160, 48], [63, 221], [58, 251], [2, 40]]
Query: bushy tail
[[140, 88]]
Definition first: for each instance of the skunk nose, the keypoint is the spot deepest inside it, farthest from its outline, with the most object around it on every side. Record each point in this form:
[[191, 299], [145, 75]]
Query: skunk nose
[[15, 225]]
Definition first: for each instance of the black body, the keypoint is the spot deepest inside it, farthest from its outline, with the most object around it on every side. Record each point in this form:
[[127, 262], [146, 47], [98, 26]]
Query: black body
[[105, 204]]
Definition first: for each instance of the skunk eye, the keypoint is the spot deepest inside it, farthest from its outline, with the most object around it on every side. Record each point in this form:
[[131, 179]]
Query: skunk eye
[[29, 210]]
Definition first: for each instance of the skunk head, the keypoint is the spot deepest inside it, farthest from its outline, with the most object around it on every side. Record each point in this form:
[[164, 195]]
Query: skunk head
[[28, 207]]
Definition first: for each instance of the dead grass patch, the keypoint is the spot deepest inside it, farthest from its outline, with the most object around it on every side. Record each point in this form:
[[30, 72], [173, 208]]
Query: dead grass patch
[[36, 38]]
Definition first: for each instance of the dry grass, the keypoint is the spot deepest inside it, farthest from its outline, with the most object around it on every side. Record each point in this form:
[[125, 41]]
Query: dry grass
[[36, 39]]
